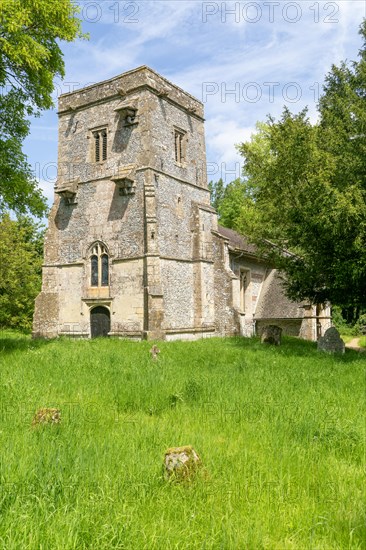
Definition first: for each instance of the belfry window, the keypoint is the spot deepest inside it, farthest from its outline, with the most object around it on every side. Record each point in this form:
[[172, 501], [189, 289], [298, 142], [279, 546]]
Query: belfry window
[[100, 145], [179, 142], [99, 266]]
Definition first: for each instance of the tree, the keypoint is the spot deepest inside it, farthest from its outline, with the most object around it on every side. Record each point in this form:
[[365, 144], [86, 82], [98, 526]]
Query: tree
[[233, 195], [217, 190], [225, 200], [20, 270], [305, 192], [30, 58]]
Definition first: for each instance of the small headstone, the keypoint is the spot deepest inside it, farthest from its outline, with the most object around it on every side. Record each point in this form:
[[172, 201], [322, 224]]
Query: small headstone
[[47, 416], [331, 342], [154, 352], [181, 463], [271, 335]]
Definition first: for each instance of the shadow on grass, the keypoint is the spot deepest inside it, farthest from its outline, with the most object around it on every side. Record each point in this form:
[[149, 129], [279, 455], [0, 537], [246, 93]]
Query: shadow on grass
[[11, 342], [292, 346]]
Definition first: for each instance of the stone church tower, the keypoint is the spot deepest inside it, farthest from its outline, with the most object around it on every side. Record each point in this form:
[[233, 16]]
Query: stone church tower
[[129, 247], [133, 248]]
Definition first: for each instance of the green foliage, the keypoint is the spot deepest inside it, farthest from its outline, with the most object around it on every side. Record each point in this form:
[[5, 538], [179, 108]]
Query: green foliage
[[337, 318], [280, 433], [20, 270], [361, 324], [227, 200], [347, 330], [305, 191], [18, 188], [362, 342], [30, 58], [217, 190], [350, 322], [234, 194]]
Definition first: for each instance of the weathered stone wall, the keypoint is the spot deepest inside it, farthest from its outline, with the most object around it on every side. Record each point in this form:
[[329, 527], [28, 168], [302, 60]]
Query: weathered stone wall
[[76, 150], [178, 292], [227, 320], [99, 213], [166, 117], [256, 275], [179, 188], [208, 294], [127, 291], [137, 229], [175, 209]]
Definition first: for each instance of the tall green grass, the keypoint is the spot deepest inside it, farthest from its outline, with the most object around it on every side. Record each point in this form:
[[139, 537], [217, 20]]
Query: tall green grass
[[279, 430]]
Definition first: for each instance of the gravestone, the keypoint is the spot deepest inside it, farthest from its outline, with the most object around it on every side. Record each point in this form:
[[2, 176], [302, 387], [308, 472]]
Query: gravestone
[[331, 342], [47, 416], [181, 463], [154, 352], [271, 335]]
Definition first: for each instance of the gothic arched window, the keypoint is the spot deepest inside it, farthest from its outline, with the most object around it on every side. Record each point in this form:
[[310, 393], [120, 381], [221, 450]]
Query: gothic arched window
[[99, 265]]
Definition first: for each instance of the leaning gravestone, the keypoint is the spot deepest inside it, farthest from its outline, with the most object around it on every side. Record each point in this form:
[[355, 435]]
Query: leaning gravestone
[[331, 342], [181, 463], [271, 335]]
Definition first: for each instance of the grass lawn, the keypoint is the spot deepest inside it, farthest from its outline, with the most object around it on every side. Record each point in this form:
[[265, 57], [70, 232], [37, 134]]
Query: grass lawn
[[279, 430], [362, 341]]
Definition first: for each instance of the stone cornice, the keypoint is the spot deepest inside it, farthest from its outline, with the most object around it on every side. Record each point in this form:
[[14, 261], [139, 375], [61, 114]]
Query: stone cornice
[[126, 84]]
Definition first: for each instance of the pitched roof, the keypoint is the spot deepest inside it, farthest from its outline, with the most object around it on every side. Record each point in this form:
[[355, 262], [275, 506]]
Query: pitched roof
[[237, 242], [273, 302]]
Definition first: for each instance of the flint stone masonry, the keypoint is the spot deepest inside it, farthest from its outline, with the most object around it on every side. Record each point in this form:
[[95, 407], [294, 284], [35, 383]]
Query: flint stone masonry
[[331, 342], [172, 271]]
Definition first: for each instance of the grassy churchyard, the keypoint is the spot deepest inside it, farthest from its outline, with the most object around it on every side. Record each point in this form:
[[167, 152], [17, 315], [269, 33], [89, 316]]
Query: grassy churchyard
[[280, 432]]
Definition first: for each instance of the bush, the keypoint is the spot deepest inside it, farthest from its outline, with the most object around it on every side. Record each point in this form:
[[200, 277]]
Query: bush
[[361, 324], [345, 328]]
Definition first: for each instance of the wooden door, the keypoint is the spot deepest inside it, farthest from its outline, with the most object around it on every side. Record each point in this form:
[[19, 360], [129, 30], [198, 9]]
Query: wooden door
[[100, 322]]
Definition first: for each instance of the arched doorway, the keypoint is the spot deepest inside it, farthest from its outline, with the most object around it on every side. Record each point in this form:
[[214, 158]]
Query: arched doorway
[[100, 321]]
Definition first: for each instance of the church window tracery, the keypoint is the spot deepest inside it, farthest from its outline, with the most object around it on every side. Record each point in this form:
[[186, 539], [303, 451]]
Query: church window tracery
[[99, 265]]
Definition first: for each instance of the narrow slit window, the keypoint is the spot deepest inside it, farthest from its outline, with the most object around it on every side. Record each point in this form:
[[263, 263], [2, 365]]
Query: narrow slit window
[[104, 145], [244, 286], [179, 146], [97, 147]]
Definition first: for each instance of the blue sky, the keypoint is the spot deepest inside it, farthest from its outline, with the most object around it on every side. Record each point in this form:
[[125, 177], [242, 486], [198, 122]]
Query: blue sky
[[244, 60]]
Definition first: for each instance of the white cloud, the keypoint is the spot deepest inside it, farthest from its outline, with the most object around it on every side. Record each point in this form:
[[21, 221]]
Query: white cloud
[[47, 188], [175, 40]]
